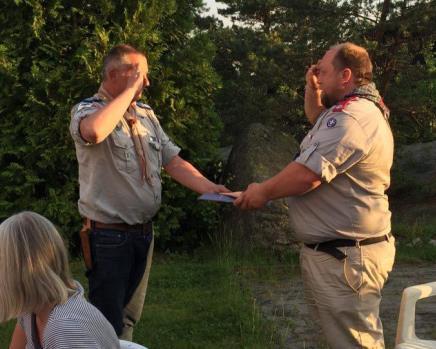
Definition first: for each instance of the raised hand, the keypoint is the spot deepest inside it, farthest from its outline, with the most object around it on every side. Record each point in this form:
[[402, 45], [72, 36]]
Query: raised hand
[[135, 78], [313, 105], [311, 77]]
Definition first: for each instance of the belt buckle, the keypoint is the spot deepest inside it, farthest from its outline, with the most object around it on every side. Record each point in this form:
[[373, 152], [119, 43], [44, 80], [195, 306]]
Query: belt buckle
[[315, 248], [357, 243]]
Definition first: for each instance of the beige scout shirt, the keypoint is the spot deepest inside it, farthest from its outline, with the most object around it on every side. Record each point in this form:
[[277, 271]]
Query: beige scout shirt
[[111, 188], [351, 148]]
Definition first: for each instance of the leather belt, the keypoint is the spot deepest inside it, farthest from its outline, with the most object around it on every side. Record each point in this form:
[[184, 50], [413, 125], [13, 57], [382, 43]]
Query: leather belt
[[331, 247], [146, 228]]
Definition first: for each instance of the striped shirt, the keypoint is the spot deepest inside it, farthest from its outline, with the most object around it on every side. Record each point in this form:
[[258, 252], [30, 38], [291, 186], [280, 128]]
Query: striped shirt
[[74, 324]]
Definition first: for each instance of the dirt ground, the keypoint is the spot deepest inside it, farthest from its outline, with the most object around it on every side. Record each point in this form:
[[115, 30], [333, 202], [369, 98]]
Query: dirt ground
[[283, 303]]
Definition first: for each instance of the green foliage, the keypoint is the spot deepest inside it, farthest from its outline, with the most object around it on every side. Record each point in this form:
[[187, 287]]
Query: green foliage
[[404, 51], [263, 58], [50, 59]]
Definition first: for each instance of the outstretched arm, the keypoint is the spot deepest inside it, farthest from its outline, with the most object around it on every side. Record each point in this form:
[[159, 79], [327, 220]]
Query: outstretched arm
[[187, 175], [294, 179]]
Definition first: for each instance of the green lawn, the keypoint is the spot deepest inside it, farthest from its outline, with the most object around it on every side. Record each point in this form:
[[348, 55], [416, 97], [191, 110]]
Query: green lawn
[[414, 226], [195, 302], [199, 302]]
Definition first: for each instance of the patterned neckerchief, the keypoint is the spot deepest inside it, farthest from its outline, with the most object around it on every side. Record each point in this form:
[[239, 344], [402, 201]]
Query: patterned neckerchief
[[370, 92]]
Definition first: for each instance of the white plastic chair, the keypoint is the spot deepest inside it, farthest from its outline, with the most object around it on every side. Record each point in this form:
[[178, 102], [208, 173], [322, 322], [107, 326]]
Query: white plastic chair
[[130, 345], [406, 337]]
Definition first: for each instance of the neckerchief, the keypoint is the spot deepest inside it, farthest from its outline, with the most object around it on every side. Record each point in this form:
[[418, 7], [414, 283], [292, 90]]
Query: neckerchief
[[131, 121], [370, 92]]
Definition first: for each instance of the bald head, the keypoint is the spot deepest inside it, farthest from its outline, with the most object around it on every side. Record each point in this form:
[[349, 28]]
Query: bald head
[[356, 58]]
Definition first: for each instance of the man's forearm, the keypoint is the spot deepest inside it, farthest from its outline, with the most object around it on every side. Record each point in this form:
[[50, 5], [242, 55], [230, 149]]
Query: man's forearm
[[294, 179], [312, 104], [96, 127], [187, 175]]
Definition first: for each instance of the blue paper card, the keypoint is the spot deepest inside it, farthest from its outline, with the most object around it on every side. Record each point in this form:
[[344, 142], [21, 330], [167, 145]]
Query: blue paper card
[[216, 197]]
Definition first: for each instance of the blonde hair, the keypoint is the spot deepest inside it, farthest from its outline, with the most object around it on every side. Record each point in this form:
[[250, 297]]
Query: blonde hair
[[34, 269]]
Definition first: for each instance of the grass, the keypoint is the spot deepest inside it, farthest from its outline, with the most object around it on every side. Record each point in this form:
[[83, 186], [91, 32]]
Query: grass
[[414, 227], [200, 301]]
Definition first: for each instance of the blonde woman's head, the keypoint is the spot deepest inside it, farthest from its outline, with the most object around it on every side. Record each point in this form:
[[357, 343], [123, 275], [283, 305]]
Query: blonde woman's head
[[34, 269]]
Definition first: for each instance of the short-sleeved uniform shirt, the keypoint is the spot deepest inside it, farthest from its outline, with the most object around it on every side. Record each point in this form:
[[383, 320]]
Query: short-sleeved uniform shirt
[[351, 148], [74, 324], [111, 187]]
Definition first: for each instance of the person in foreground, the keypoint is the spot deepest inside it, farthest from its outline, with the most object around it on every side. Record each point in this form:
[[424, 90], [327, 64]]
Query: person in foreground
[[121, 148], [36, 288], [337, 203]]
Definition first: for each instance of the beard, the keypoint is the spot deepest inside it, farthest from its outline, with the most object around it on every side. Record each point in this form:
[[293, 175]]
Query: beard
[[328, 101]]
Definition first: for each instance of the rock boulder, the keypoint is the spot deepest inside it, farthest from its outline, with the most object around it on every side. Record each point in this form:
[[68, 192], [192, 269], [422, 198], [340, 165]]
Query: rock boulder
[[258, 154]]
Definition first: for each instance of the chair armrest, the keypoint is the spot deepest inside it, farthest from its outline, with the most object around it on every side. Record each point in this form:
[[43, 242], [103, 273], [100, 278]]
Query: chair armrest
[[406, 319]]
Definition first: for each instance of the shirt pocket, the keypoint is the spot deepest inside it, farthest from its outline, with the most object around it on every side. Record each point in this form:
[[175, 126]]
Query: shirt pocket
[[124, 156], [155, 151]]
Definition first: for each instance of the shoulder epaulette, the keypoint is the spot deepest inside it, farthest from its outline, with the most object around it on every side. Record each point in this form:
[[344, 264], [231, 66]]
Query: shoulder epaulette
[[143, 105], [342, 104]]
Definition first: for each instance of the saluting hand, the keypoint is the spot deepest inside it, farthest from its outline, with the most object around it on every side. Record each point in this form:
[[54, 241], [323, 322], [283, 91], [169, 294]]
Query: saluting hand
[[313, 105], [253, 197], [135, 78], [312, 77]]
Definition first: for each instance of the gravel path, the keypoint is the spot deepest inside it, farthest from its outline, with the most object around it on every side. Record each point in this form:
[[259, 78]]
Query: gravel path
[[283, 303]]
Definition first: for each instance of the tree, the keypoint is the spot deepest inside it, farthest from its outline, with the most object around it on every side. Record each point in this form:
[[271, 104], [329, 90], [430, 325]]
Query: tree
[[263, 58]]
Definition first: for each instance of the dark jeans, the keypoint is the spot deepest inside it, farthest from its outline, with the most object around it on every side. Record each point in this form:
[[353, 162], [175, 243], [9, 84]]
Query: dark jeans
[[119, 260]]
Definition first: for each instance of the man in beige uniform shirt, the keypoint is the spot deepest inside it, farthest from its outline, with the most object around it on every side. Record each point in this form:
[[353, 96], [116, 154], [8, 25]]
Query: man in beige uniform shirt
[[337, 202], [121, 148]]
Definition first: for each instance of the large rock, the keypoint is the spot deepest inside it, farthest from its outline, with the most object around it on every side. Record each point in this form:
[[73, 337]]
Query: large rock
[[414, 172], [259, 153]]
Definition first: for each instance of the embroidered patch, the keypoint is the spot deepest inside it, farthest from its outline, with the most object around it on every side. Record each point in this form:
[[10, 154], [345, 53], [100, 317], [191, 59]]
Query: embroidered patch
[[331, 122]]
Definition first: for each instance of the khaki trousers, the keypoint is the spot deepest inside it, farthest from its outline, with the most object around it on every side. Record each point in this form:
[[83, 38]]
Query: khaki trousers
[[133, 310], [344, 296]]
